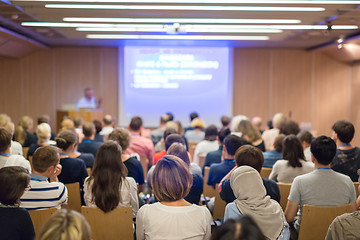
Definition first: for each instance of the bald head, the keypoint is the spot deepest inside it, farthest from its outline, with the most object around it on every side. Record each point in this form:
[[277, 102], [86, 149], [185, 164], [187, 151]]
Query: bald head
[[108, 121], [257, 122]]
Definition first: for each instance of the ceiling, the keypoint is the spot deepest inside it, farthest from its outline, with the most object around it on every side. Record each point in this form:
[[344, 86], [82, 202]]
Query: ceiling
[[13, 13]]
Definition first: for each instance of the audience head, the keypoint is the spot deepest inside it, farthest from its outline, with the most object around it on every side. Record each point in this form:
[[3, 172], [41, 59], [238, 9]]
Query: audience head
[[5, 140], [278, 143], [171, 116], [171, 179], [249, 132], [289, 127], [89, 93], [107, 175], [343, 131], [223, 133], [257, 122], [66, 225], [164, 118], [198, 123], [10, 127], [232, 143], [67, 124], [277, 119], [43, 119], [193, 115], [323, 149], [180, 128], [211, 133], [225, 121], [248, 155], [179, 150], [293, 151], [45, 160], [168, 131], [78, 122], [121, 136], [173, 138], [172, 124], [43, 132], [13, 182], [135, 124], [24, 125], [108, 120], [269, 124], [98, 126], [4, 119], [305, 138], [236, 120], [65, 139], [89, 129]]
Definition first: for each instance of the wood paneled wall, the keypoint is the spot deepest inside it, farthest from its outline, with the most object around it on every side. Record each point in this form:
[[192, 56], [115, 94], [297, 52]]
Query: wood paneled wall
[[311, 86]]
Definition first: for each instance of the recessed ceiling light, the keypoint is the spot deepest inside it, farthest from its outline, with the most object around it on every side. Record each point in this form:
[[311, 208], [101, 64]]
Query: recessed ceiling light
[[176, 37]]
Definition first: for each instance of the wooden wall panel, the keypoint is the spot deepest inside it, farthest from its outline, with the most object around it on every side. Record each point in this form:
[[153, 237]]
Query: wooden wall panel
[[355, 100]]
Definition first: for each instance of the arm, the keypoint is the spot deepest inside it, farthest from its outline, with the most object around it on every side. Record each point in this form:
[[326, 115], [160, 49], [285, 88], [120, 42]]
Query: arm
[[291, 210], [358, 202], [134, 201], [208, 218], [140, 230], [274, 173]]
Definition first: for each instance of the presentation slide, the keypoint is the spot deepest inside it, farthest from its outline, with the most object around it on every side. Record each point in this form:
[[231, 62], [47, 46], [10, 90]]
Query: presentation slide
[[180, 80]]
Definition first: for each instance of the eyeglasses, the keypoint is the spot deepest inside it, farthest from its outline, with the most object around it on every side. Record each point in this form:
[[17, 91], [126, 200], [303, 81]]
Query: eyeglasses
[[28, 188]]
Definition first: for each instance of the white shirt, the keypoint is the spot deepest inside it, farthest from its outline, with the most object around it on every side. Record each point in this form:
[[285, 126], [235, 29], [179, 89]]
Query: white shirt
[[106, 130], [282, 172], [86, 103], [160, 222], [15, 160], [16, 148], [269, 138], [204, 147], [307, 154]]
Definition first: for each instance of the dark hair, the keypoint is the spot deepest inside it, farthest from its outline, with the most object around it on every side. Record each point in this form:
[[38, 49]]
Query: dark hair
[[249, 230], [121, 136], [65, 139], [169, 131], [293, 151], [5, 139], [171, 116], [173, 138], [13, 181], [232, 143], [248, 155], [223, 133], [289, 127], [88, 129], [98, 126], [179, 150], [278, 142], [135, 123], [45, 157], [211, 133], [324, 149], [107, 176], [43, 119], [269, 124], [193, 115], [345, 130], [225, 120], [78, 122], [305, 136]]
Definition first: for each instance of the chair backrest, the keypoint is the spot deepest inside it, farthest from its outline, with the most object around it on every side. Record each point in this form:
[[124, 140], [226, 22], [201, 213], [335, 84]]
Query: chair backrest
[[144, 163], [284, 193], [265, 172], [202, 160], [219, 207], [208, 191], [192, 146], [315, 220], [113, 225], [356, 184], [39, 217], [88, 171], [31, 163], [25, 151], [74, 199]]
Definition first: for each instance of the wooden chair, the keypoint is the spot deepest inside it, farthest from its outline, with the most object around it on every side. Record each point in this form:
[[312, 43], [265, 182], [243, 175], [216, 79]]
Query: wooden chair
[[208, 191], [202, 160], [144, 163], [219, 207], [315, 220], [114, 225], [192, 146], [88, 171], [284, 193], [25, 151], [39, 217], [356, 184], [265, 172], [74, 199], [31, 163]]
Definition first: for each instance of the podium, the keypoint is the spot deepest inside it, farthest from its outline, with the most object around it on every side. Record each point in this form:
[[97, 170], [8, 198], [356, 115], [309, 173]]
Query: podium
[[87, 115]]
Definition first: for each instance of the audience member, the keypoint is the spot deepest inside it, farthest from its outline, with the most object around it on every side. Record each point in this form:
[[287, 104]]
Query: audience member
[[139, 144], [88, 144], [15, 222], [208, 144], [43, 133], [248, 156], [192, 116], [181, 132], [197, 133], [22, 134], [44, 194], [235, 124], [293, 163], [272, 156], [288, 127], [257, 122], [251, 200], [158, 133], [78, 125], [66, 224], [251, 134], [270, 135], [269, 125], [108, 186], [215, 156], [68, 124], [172, 215], [159, 155], [305, 138], [6, 159], [171, 116], [5, 122], [108, 125], [88, 101], [347, 158], [321, 187], [98, 128], [345, 226], [225, 121], [45, 119]]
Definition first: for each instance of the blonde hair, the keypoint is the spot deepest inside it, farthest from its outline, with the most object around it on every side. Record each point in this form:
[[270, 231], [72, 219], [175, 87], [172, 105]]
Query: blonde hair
[[66, 225], [4, 119], [277, 119], [67, 124], [43, 132], [249, 132], [24, 124], [172, 124], [235, 121], [198, 123]]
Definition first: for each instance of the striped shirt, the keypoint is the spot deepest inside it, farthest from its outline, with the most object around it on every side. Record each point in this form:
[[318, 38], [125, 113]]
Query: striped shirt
[[43, 194]]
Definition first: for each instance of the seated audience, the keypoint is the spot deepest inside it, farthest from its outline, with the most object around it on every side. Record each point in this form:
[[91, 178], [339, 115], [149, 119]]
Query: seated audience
[[44, 194], [192, 116], [293, 163], [272, 156], [45, 119], [6, 159], [68, 124], [225, 121], [43, 133], [108, 125], [257, 122], [288, 127], [197, 133], [66, 224], [270, 135], [321, 187], [5, 122], [133, 165], [108, 185], [78, 124], [251, 200], [248, 156], [251, 134], [243, 228], [15, 222], [219, 170], [215, 156], [159, 155], [139, 144], [172, 215], [98, 128], [208, 144], [347, 158], [305, 138], [235, 124], [88, 144], [345, 226], [158, 133], [22, 134]]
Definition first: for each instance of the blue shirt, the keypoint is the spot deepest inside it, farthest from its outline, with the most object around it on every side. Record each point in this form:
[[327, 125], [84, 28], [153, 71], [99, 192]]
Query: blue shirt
[[89, 146], [219, 170], [271, 157], [212, 157]]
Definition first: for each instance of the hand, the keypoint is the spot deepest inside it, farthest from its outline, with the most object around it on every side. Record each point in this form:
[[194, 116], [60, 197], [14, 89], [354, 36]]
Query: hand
[[57, 170]]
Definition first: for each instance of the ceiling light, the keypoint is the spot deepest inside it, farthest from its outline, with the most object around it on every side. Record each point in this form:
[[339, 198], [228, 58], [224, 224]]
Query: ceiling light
[[176, 37], [207, 1]]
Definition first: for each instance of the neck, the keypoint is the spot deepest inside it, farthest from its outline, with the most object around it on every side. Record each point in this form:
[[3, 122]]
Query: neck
[[178, 203], [89, 138], [38, 173], [7, 150], [67, 151], [340, 145], [318, 165]]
